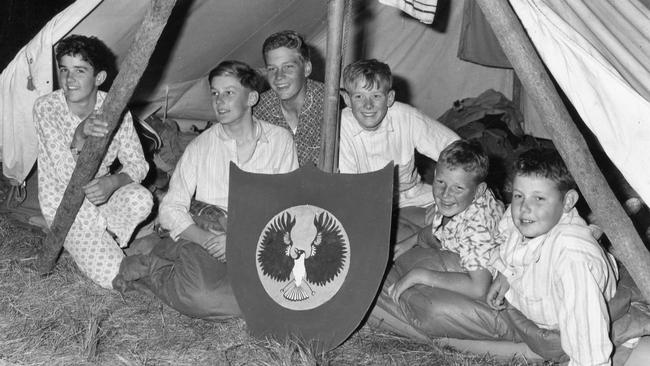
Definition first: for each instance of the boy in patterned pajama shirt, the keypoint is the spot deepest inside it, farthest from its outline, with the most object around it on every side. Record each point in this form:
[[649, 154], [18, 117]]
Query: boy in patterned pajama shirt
[[463, 220], [115, 203]]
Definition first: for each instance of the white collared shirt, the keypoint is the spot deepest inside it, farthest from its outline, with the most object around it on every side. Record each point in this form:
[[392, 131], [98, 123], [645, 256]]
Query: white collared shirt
[[204, 170], [403, 130], [561, 280]]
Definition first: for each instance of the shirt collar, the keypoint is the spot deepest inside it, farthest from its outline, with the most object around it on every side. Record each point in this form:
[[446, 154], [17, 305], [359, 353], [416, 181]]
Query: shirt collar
[[276, 109], [433, 213], [524, 251], [101, 95], [261, 132], [385, 126]]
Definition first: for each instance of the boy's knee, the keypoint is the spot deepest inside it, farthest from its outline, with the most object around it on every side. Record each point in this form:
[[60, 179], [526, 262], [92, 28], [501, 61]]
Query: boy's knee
[[139, 200]]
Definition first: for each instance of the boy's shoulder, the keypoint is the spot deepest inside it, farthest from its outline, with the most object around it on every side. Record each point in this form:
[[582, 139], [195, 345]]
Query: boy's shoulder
[[49, 98], [574, 241], [274, 133]]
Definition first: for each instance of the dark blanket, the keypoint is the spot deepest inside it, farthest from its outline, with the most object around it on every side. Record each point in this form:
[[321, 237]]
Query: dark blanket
[[182, 274], [432, 312]]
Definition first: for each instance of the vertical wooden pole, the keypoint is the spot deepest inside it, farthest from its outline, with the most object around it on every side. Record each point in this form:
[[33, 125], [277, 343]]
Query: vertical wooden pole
[[330, 128], [95, 148], [627, 244]]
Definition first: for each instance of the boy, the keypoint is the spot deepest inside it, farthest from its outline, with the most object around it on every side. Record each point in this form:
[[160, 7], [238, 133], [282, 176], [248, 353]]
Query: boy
[[294, 101], [188, 270], [115, 203], [375, 130], [550, 267], [463, 220]]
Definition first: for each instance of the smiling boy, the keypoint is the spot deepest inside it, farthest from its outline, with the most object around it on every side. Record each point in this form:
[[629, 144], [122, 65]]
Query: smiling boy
[[294, 101], [550, 266], [463, 221], [375, 130], [188, 270], [64, 119]]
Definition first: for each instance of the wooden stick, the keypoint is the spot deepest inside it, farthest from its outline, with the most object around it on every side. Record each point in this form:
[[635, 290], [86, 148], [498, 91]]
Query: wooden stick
[[627, 244], [95, 148], [329, 129]]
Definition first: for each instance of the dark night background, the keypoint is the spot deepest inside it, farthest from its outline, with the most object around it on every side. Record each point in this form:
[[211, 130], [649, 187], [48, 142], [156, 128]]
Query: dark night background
[[20, 20]]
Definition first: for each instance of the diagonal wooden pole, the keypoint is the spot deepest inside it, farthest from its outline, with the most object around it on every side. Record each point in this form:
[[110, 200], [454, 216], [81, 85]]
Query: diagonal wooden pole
[[95, 148], [628, 247]]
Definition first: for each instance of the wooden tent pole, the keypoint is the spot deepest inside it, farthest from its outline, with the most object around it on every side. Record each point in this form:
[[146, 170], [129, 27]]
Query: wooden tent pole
[[328, 161], [627, 245], [95, 148]]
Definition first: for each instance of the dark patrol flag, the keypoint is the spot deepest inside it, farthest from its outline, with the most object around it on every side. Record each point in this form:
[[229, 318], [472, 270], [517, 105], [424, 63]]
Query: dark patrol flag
[[307, 250]]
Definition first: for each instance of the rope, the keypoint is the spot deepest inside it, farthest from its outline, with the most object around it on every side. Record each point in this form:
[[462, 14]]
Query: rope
[[347, 19]]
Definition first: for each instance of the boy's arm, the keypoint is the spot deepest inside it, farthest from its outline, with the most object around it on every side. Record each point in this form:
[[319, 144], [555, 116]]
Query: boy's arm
[[347, 161], [430, 136], [473, 284], [582, 314]]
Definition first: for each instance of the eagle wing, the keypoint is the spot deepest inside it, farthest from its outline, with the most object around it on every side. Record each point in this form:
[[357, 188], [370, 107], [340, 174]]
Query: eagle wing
[[272, 257], [328, 251]]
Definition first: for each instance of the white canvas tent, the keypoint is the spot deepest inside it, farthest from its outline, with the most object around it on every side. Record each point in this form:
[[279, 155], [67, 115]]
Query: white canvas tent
[[603, 67], [201, 33], [597, 51]]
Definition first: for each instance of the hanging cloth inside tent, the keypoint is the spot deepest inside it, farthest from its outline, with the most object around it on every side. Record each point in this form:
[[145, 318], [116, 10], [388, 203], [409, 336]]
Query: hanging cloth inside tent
[[478, 44], [422, 10], [27, 77]]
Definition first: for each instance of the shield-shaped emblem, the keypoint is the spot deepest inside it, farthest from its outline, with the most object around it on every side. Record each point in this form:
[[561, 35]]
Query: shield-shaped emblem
[[307, 250]]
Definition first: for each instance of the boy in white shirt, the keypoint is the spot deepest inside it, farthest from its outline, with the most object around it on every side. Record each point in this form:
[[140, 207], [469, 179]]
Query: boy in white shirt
[[550, 266], [188, 270], [375, 130]]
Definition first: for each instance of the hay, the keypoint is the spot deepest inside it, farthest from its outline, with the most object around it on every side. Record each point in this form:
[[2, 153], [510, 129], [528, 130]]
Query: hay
[[64, 319]]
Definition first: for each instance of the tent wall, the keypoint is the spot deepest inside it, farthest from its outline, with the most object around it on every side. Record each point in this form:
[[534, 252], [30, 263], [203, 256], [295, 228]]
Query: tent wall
[[202, 33], [199, 35], [17, 133], [428, 74], [603, 69]]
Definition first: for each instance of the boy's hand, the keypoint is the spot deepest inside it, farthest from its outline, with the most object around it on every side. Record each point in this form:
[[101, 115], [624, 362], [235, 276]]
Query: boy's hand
[[94, 127], [497, 292], [215, 244], [409, 280], [99, 190]]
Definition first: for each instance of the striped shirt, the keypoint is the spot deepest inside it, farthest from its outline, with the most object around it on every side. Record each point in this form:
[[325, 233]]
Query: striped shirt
[[403, 130], [562, 280], [204, 170], [471, 233]]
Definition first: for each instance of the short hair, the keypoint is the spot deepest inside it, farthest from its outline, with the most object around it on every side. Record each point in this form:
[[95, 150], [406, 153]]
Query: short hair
[[468, 155], [286, 38], [91, 49], [547, 163], [374, 74], [247, 76]]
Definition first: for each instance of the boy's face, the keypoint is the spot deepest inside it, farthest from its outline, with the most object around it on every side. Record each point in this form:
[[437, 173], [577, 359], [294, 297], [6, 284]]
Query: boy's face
[[230, 100], [78, 80], [369, 105], [538, 204], [286, 72], [454, 189]]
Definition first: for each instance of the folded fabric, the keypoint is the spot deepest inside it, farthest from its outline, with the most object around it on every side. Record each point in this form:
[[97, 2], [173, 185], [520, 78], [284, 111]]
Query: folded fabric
[[422, 10]]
